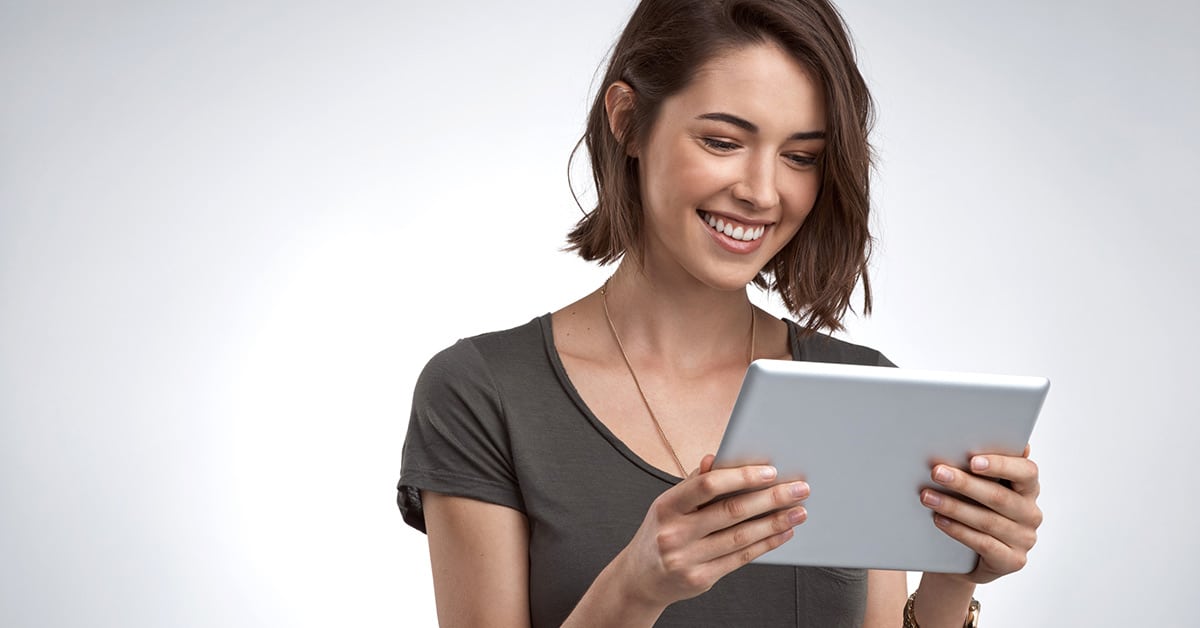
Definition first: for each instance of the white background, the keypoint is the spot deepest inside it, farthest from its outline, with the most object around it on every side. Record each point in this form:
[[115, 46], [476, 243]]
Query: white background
[[231, 233]]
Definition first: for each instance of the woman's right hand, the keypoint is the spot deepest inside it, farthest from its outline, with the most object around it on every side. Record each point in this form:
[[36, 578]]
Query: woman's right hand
[[697, 532]]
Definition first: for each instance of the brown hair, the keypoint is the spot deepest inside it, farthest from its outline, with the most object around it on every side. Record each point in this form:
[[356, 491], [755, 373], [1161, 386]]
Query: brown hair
[[658, 54]]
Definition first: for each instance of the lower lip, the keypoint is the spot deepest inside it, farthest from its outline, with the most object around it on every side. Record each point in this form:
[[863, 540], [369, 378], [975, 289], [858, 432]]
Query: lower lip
[[740, 247]]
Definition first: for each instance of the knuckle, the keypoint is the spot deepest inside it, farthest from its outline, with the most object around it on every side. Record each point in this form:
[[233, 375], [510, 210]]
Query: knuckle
[[739, 538], [780, 496], [1031, 539], [749, 476], [1037, 517], [989, 525], [659, 508], [746, 556], [734, 508], [1020, 560], [696, 579], [674, 563], [998, 494], [707, 485], [995, 547], [666, 540]]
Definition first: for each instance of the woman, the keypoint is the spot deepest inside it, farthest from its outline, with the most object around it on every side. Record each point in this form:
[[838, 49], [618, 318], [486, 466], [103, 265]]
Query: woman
[[549, 464]]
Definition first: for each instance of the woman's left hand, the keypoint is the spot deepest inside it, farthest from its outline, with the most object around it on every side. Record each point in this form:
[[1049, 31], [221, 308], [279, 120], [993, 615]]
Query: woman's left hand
[[1002, 526]]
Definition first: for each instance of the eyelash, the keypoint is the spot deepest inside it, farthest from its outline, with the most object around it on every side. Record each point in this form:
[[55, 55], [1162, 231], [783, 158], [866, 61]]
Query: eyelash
[[719, 144], [723, 146]]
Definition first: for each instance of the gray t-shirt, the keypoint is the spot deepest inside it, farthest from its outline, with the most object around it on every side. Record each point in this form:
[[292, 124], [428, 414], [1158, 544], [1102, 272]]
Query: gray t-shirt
[[494, 418]]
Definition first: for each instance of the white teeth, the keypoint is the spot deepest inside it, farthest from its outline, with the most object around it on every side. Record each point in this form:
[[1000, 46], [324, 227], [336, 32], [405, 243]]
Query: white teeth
[[745, 234]]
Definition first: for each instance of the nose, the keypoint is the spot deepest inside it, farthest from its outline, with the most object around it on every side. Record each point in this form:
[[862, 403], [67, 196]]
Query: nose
[[757, 187]]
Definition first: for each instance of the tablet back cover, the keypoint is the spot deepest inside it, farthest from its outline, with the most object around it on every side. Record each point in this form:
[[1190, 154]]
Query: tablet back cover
[[865, 439]]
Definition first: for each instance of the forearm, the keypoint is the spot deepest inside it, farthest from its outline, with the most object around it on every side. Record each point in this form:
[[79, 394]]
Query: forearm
[[609, 602], [942, 600]]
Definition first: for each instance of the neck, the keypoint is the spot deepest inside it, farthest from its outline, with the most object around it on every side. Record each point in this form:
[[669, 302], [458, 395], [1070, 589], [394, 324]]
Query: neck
[[684, 325]]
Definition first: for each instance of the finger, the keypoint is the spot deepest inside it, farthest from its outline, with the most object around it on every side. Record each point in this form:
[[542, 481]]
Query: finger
[[1012, 533], [998, 558], [726, 564], [728, 511], [738, 537], [1021, 473], [993, 495], [694, 492], [1025, 454]]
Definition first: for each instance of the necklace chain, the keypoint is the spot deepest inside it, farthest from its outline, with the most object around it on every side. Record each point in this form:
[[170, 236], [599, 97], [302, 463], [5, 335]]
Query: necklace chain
[[637, 384]]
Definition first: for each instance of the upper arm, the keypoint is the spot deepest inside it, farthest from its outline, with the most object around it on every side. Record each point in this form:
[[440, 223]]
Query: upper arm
[[887, 591], [480, 558]]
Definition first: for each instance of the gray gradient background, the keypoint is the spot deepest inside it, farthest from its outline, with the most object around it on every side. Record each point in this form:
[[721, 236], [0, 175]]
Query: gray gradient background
[[232, 233]]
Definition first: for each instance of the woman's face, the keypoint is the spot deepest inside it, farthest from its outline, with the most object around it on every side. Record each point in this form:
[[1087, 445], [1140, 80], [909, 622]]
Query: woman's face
[[728, 169]]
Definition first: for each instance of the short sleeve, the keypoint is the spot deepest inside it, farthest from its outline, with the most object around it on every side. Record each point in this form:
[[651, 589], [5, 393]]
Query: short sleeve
[[458, 440]]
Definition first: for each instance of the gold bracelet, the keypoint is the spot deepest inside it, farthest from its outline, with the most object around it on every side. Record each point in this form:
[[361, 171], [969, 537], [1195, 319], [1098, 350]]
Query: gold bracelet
[[910, 616]]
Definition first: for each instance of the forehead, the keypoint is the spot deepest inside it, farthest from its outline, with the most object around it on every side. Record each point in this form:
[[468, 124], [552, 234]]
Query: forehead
[[761, 83]]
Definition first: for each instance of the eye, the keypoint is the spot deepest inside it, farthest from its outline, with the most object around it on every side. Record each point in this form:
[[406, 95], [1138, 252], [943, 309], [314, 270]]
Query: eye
[[802, 161], [719, 145]]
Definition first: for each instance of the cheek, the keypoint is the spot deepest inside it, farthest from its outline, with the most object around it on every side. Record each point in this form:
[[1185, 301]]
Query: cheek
[[676, 179], [800, 202]]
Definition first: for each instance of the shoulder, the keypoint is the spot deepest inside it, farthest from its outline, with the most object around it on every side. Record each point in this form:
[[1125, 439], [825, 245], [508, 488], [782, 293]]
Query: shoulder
[[488, 350], [819, 347], [518, 342], [482, 364]]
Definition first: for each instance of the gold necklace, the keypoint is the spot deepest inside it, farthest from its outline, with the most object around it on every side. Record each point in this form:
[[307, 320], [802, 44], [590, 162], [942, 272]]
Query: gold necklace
[[662, 434]]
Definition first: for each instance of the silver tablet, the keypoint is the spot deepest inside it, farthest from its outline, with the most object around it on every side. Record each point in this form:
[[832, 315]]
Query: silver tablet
[[865, 438]]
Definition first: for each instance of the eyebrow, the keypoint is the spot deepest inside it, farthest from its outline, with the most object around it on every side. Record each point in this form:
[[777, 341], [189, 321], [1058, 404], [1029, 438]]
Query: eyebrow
[[747, 125]]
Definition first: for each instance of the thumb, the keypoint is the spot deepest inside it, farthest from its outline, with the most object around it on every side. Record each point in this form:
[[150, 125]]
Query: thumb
[[706, 465]]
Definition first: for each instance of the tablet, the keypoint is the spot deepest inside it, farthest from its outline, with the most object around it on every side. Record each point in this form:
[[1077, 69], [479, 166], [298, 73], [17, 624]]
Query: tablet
[[866, 438]]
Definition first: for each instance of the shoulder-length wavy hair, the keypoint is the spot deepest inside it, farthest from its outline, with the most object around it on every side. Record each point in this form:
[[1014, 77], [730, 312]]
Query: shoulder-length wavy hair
[[658, 54]]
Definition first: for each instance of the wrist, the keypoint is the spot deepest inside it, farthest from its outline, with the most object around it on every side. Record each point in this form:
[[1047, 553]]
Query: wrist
[[630, 589], [943, 600], [948, 583]]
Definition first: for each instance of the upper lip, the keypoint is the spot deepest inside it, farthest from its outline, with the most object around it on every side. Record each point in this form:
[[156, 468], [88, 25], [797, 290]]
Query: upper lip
[[736, 218]]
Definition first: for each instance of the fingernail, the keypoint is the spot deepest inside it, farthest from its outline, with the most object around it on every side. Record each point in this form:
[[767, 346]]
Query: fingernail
[[941, 521], [796, 515], [767, 473], [943, 475], [979, 463], [931, 499], [798, 490]]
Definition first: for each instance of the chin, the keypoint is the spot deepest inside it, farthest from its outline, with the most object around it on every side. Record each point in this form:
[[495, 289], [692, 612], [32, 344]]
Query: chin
[[729, 279]]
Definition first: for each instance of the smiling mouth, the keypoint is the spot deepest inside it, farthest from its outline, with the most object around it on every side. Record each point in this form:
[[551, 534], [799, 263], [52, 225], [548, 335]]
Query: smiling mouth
[[745, 233]]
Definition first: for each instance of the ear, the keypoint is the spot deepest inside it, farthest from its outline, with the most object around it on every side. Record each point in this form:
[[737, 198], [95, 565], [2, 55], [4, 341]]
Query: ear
[[618, 104]]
